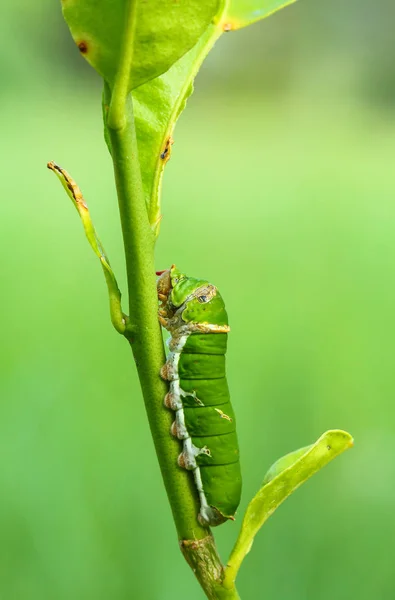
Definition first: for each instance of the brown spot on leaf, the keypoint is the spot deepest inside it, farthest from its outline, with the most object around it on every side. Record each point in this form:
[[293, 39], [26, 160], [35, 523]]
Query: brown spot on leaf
[[166, 153], [227, 27], [82, 47]]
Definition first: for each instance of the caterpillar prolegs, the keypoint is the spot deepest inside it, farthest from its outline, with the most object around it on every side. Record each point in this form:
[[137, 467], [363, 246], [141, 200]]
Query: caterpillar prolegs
[[193, 311]]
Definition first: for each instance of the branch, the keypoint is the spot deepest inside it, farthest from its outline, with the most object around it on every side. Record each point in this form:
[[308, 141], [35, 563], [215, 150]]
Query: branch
[[144, 334]]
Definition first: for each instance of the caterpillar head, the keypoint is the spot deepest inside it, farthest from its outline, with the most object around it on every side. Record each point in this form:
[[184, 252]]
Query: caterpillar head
[[167, 281], [189, 300]]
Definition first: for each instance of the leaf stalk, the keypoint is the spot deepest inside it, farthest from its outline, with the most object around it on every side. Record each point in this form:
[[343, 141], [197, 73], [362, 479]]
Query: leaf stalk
[[117, 113]]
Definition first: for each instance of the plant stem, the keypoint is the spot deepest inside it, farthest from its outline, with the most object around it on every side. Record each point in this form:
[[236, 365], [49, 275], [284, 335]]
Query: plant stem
[[117, 112], [144, 334], [143, 330], [202, 557]]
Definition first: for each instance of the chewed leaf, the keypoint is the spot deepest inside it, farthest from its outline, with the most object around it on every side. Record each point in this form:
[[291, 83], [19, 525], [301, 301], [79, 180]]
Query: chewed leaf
[[284, 477], [159, 33], [74, 193], [241, 13]]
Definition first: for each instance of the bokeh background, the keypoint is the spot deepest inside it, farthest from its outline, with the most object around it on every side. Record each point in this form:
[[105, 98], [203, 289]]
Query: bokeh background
[[281, 190]]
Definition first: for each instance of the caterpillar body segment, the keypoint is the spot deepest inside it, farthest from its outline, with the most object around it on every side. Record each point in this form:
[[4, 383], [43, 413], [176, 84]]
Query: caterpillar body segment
[[193, 311]]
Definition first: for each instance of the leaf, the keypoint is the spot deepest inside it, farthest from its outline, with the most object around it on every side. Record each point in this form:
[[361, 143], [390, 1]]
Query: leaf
[[157, 106], [74, 193], [155, 33], [240, 13], [283, 478], [159, 102], [283, 463]]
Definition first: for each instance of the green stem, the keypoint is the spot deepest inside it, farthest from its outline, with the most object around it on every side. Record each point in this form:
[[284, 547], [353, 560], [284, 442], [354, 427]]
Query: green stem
[[144, 334], [203, 552], [117, 111], [143, 330]]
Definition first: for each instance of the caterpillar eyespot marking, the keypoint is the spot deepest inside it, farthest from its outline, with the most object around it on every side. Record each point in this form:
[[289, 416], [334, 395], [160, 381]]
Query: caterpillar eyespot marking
[[193, 311]]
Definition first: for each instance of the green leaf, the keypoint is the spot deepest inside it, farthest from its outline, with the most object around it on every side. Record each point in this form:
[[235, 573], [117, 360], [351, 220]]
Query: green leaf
[[283, 463], [283, 478], [159, 102], [118, 319], [240, 13], [157, 106], [154, 34]]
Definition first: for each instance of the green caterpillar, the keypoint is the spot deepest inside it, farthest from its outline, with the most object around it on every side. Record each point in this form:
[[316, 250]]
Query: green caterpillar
[[193, 311]]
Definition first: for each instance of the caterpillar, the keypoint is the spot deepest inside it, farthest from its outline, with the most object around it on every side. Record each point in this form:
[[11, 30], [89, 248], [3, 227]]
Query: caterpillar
[[193, 311]]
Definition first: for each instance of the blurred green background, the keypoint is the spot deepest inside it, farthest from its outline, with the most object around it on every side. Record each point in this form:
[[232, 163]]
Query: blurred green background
[[287, 147]]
